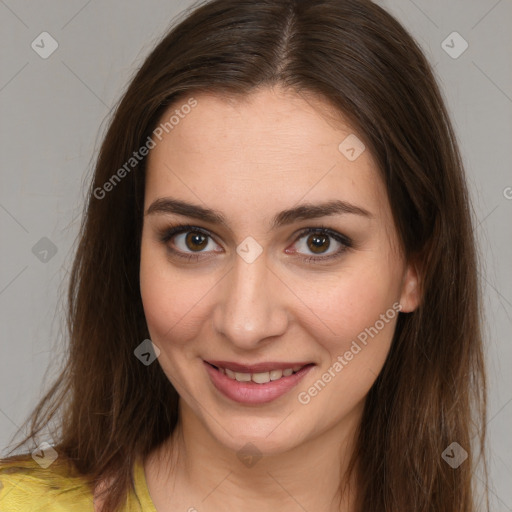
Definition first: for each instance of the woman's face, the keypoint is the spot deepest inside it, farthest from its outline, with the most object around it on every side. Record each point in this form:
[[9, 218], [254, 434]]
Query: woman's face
[[245, 293]]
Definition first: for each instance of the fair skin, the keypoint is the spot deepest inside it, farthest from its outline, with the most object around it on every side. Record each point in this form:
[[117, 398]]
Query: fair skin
[[249, 159]]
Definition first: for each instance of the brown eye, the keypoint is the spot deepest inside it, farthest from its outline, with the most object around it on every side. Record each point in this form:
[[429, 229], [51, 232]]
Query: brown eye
[[318, 243], [321, 244], [196, 241], [189, 242]]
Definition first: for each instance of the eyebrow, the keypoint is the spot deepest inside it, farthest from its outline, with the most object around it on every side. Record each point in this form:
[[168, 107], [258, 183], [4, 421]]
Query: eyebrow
[[168, 205]]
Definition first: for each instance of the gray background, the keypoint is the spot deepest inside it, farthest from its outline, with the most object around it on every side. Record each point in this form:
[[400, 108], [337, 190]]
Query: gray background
[[52, 114]]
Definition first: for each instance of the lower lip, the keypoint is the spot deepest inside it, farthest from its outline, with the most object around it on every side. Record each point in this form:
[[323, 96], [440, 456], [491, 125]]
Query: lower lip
[[251, 392]]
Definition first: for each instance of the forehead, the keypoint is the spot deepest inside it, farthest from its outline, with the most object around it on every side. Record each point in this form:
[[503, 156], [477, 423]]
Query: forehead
[[280, 121], [271, 146]]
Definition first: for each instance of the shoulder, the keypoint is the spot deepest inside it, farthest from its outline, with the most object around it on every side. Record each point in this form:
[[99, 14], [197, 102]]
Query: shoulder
[[26, 486]]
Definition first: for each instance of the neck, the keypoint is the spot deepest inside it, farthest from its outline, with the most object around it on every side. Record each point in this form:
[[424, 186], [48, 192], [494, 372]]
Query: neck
[[195, 471]]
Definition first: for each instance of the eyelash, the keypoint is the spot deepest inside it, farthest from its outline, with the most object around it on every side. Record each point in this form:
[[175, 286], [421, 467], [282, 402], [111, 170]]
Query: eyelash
[[167, 234]]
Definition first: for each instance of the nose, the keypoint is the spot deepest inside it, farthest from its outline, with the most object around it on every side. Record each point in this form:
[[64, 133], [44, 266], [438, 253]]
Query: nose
[[250, 306]]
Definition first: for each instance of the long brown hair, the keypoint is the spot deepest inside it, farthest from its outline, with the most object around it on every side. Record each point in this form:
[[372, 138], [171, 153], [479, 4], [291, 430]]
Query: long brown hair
[[431, 392]]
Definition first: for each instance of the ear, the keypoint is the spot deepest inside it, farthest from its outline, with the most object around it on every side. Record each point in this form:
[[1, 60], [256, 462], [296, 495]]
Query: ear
[[410, 297]]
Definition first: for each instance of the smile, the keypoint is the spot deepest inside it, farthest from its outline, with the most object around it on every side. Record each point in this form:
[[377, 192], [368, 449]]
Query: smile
[[257, 386], [260, 377]]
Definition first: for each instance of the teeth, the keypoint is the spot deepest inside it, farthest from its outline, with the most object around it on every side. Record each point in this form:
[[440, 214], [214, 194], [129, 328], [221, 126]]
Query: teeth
[[242, 377], [261, 377], [276, 374]]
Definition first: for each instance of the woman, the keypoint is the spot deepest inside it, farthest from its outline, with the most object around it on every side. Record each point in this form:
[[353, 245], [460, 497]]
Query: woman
[[274, 300]]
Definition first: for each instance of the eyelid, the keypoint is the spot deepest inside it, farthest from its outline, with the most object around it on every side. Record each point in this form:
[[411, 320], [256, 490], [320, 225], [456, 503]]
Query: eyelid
[[167, 233]]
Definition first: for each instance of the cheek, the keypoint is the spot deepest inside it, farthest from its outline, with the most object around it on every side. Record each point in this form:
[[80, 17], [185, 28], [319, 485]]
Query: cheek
[[359, 306], [162, 296], [361, 315], [173, 301]]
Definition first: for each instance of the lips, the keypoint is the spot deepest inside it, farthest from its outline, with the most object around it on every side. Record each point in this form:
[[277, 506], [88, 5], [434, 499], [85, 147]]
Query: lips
[[269, 382], [261, 377], [256, 368]]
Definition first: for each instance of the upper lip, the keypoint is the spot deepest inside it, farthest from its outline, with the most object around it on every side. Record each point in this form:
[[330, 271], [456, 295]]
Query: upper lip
[[257, 367]]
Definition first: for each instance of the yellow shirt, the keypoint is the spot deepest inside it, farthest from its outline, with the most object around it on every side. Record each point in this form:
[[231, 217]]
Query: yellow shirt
[[27, 487]]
